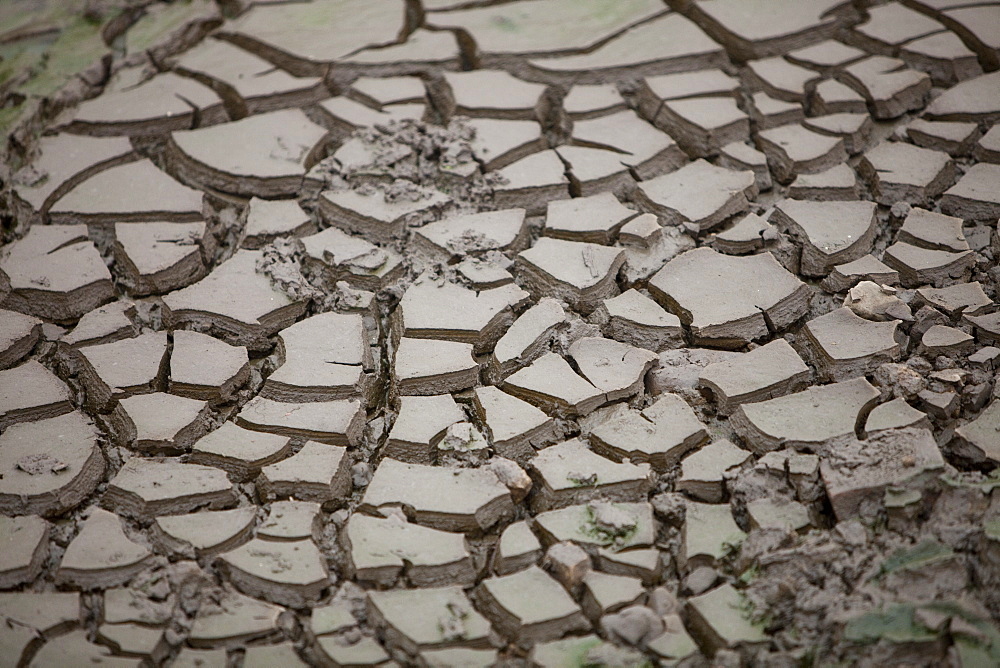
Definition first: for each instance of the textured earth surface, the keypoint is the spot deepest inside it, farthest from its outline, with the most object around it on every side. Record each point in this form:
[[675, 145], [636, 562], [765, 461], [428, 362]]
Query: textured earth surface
[[484, 332]]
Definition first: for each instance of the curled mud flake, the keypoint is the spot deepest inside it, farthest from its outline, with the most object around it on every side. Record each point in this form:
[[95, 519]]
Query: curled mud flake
[[39, 464]]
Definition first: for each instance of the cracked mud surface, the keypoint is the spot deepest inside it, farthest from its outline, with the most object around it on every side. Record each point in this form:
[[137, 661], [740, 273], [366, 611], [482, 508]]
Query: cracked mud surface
[[499, 332]]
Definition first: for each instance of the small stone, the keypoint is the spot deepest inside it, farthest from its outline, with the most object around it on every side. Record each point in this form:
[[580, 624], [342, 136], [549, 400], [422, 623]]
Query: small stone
[[604, 593], [513, 476], [463, 441], [634, 626]]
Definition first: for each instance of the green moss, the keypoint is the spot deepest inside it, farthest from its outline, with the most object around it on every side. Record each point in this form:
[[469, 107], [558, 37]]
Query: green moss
[[900, 498], [927, 552], [987, 485], [162, 21], [604, 536], [9, 117], [78, 46], [897, 623], [992, 529]]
